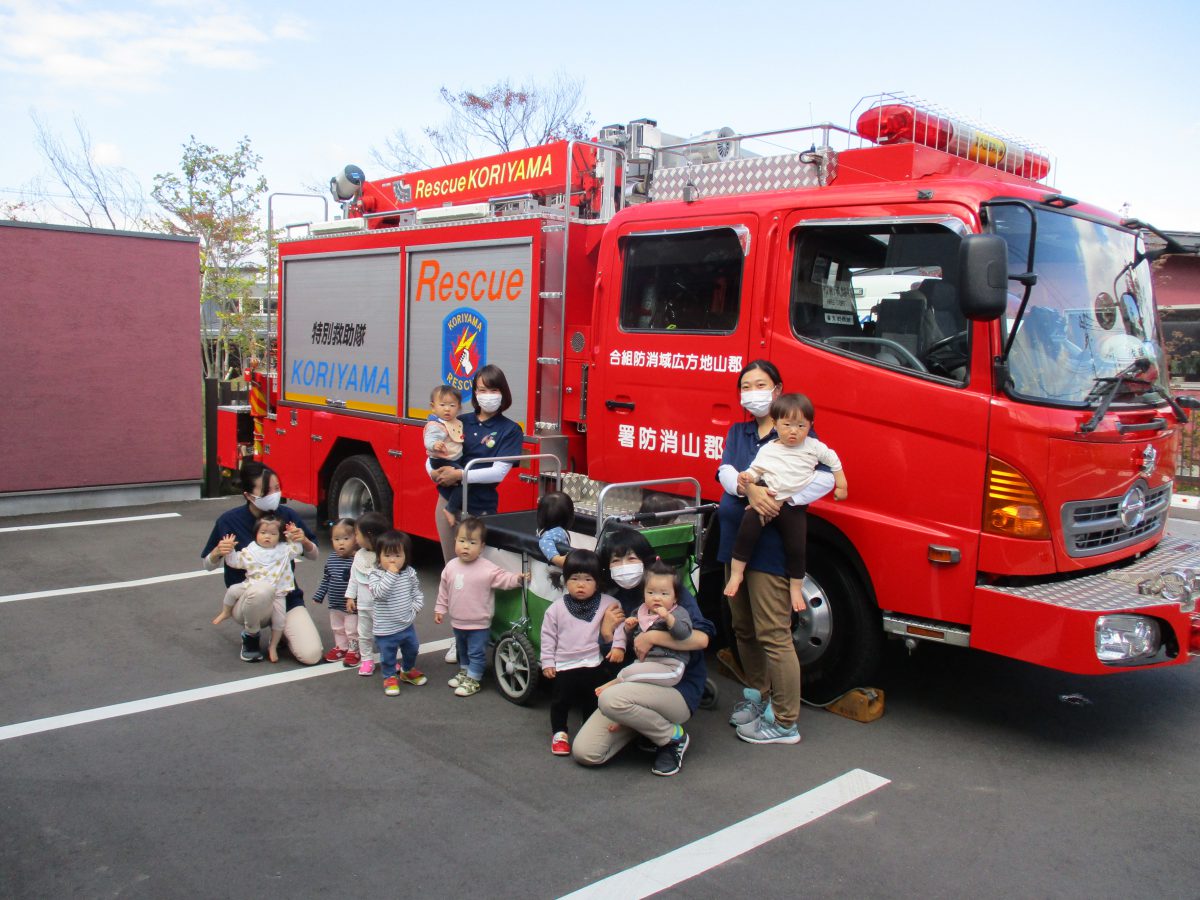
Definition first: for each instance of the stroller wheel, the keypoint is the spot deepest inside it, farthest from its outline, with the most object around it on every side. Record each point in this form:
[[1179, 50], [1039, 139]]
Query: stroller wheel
[[708, 700]]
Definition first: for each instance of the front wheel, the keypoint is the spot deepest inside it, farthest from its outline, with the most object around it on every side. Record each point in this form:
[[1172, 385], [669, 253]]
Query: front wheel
[[839, 638], [358, 486], [516, 666]]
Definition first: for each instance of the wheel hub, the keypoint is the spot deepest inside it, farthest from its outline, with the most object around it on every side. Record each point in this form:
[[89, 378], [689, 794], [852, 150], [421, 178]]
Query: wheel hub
[[813, 628], [354, 499]]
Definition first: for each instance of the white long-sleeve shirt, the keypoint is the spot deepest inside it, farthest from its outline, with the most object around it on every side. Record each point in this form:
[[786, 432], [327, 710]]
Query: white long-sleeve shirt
[[398, 599]]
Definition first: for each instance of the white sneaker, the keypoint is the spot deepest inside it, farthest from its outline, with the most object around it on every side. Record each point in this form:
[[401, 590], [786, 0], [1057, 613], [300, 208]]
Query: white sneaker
[[452, 654]]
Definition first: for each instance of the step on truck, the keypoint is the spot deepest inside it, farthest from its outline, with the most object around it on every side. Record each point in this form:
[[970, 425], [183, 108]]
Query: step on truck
[[1002, 409]]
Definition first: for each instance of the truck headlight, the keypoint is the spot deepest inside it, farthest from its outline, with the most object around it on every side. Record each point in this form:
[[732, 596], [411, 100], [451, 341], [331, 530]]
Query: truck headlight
[[1122, 639]]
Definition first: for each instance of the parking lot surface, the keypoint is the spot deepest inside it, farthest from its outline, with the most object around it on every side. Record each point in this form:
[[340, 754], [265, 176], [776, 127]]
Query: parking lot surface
[[140, 757]]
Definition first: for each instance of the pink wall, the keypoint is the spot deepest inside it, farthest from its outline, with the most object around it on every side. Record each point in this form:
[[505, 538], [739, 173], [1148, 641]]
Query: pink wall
[[100, 367]]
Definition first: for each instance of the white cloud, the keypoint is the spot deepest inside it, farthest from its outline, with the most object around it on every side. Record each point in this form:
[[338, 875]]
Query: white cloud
[[106, 154], [68, 42]]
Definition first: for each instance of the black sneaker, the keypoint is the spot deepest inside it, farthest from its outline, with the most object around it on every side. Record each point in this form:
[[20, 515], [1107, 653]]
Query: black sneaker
[[670, 756], [250, 649]]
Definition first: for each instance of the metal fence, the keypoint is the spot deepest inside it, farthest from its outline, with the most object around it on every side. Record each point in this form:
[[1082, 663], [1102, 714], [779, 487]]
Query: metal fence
[[1187, 464]]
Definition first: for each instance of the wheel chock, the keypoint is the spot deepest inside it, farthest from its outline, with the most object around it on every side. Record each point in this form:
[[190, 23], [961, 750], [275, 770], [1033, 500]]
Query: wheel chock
[[860, 704]]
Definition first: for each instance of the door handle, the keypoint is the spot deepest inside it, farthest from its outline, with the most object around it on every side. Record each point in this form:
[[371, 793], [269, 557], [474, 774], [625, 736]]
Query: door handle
[[619, 404]]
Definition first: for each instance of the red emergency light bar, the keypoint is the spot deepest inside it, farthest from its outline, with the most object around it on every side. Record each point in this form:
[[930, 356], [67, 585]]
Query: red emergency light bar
[[897, 123]]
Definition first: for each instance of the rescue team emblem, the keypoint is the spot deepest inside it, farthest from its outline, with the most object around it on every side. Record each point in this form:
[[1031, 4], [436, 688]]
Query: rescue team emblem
[[464, 349]]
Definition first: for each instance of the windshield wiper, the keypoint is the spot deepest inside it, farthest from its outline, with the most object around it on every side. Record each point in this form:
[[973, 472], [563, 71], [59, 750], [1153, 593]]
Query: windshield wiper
[[1106, 387]]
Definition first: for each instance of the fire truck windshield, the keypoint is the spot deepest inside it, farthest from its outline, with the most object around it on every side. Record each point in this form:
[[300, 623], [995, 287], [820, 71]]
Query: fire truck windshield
[[1090, 316]]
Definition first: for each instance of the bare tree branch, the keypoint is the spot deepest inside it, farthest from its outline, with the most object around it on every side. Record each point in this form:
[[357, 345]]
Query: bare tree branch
[[98, 196], [496, 120]]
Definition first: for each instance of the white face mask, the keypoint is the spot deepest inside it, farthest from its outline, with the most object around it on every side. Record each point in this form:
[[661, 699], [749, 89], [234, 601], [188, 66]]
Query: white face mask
[[757, 403], [268, 503], [627, 575], [489, 403]]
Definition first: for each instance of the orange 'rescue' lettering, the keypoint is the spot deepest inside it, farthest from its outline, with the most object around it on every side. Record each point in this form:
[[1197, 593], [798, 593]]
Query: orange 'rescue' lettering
[[475, 285]]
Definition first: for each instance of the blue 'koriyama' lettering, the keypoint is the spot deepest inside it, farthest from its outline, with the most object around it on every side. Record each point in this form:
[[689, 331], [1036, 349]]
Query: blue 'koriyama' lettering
[[362, 378]]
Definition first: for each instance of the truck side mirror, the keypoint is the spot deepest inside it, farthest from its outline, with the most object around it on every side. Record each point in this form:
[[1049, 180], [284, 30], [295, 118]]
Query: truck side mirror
[[983, 277]]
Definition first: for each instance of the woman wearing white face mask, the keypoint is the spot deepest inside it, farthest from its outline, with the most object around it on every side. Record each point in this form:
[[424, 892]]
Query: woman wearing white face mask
[[486, 433], [656, 712], [234, 529], [761, 613]]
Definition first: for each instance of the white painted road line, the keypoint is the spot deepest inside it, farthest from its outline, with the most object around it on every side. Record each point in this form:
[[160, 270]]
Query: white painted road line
[[89, 522], [699, 856], [52, 723], [111, 586]]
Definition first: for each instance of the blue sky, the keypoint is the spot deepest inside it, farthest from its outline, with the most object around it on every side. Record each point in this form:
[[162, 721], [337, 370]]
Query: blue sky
[[1108, 88]]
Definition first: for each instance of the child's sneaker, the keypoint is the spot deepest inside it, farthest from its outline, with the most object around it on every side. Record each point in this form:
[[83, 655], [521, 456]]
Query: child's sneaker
[[337, 654], [559, 745], [412, 676], [466, 687], [351, 659], [391, 686], [457, 679], [367, 667]]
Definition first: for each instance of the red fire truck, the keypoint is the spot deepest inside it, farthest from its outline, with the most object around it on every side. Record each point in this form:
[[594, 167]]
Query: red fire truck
[[983, 352]]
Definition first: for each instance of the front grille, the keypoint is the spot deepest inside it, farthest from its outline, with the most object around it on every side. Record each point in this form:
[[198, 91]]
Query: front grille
[[1091, 527]]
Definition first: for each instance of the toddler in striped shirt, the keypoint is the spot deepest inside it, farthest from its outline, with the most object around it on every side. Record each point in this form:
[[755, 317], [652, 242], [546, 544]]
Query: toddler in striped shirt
[[398, 599]]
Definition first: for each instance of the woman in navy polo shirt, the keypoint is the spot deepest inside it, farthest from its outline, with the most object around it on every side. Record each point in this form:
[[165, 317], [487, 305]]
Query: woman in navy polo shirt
[[761, 612], [260, 488], [486, 433]]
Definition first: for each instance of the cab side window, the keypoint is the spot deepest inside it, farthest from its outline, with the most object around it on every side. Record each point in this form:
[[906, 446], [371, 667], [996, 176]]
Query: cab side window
[[689, 281], [884, 293]]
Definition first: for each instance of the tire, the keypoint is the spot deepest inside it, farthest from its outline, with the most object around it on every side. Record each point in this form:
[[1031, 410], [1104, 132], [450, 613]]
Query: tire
[[515, 665], [711, 696], [358, 485], [839, 638]]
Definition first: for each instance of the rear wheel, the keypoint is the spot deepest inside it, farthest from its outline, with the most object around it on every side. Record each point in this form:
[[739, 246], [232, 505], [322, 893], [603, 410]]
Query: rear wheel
[[358, 486], [839, 638], [516, 666]]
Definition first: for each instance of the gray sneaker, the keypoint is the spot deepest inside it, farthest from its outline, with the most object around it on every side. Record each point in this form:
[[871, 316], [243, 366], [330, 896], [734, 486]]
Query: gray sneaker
[[748, 709], [765, 730]]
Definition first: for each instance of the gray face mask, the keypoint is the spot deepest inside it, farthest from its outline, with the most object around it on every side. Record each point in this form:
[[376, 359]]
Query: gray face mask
[[628, 575], [268, 503], [489, 403]]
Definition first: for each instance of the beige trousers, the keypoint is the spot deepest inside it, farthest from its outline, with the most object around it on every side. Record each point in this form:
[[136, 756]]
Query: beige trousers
[[253, 610], [762, 624], [648, 709]]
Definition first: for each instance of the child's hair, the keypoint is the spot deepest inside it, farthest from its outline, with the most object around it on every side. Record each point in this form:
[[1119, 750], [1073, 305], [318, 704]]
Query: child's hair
[[581, 562], [555, 510], [661, 503], [268, 519], [658, 567], [792, 406], [391, 541], [371, 525], [444, 390], [346, 522], [472, 525]]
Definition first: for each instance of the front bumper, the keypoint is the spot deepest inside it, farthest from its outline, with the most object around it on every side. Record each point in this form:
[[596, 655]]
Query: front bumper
[[1054, 623]]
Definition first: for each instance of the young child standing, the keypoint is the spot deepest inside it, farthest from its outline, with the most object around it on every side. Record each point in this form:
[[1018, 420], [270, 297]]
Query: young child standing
[[398, 599], [465, 593], [555, 516], [358, 591], [334, 581], [268, 559], [444, 440], [786, 466], [659, 612], [571, 644]]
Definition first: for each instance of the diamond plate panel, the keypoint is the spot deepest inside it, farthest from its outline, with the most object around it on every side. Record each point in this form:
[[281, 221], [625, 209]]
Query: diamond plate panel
[[736, 176], [1114, 590]]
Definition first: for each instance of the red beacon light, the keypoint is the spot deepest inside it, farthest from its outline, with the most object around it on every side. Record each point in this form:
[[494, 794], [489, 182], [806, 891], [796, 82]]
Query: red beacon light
[[899, 123]]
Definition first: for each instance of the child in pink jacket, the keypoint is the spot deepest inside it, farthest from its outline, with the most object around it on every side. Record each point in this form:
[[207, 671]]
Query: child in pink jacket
[[466, 594]]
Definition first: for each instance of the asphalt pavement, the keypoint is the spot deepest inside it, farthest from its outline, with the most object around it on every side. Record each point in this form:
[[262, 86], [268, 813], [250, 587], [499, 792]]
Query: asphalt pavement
[[139, 757]]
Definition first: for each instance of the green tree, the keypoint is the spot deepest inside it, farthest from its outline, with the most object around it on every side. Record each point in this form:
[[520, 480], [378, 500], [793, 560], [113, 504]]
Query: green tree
[[495, 120], [217, 197]]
